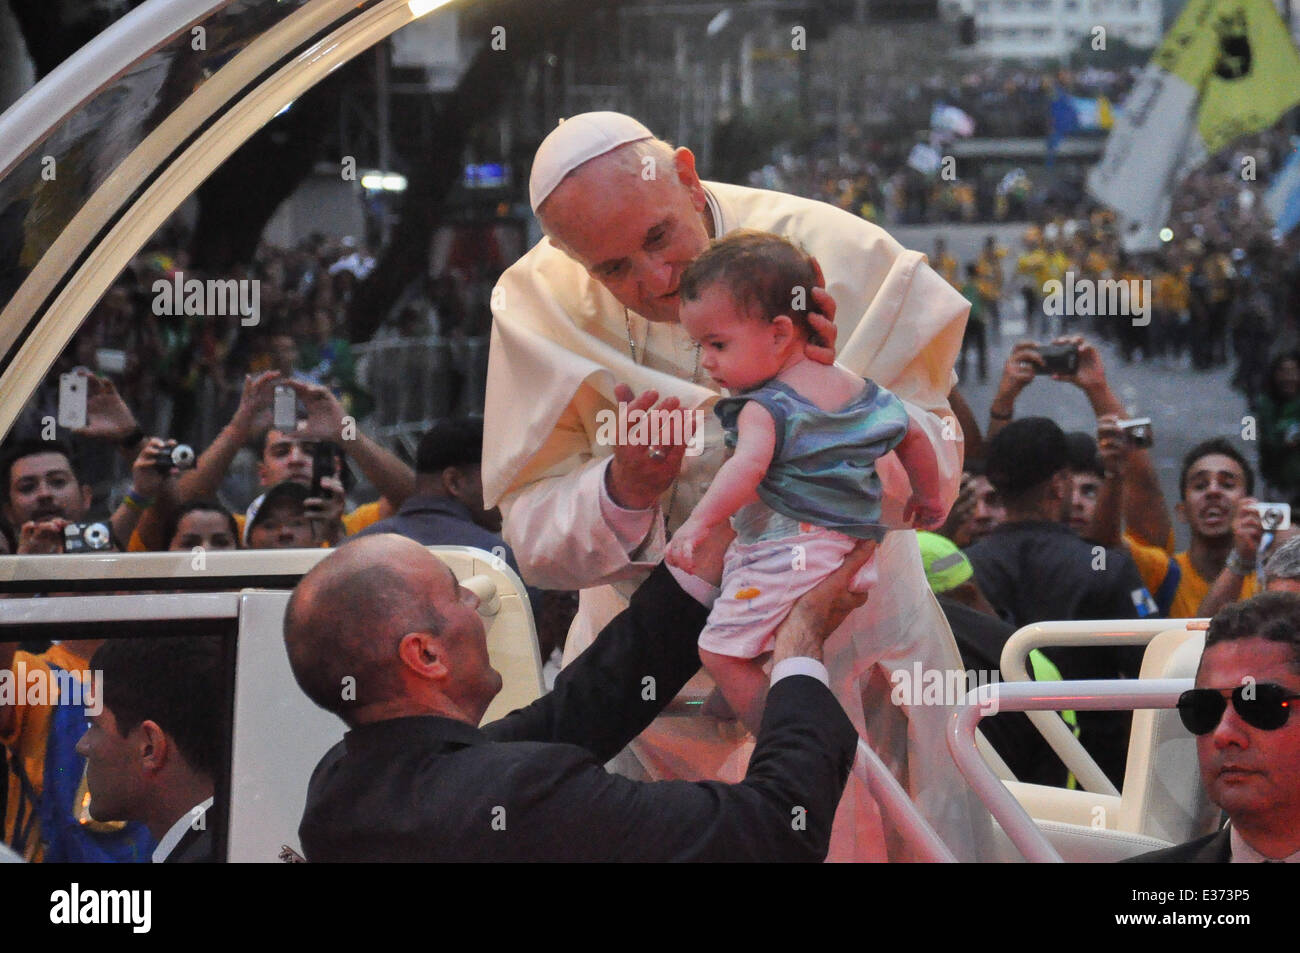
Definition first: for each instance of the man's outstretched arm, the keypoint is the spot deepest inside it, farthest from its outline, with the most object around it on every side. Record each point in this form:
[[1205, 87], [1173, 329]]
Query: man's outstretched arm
[[567, 807]]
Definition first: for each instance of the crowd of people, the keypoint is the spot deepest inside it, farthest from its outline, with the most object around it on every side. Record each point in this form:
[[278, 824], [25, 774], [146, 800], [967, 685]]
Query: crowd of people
[[1057, 526], [879, 177], [1046, 526]]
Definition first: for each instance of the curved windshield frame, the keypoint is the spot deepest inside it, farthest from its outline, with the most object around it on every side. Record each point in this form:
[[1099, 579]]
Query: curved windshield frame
[[126, 152]]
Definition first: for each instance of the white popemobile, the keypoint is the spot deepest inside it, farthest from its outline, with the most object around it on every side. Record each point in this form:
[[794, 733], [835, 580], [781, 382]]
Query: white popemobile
[[127, 158]]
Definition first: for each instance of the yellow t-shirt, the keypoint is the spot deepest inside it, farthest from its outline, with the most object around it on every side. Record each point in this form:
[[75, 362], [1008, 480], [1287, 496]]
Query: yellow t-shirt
[[1154, 565], [947, 267], [988, 274], [1171, 292], [27, 734]]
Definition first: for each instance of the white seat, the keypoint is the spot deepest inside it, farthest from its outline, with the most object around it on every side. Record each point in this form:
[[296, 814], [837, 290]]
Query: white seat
[[278, 734], [1162, 801], [1079, 844]]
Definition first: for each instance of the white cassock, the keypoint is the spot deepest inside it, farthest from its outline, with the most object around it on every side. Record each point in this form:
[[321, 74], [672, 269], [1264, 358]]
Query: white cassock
[[559, 347]]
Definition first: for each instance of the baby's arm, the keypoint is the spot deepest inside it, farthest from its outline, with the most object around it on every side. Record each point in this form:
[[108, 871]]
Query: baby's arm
[[917, 457], [735, 485]]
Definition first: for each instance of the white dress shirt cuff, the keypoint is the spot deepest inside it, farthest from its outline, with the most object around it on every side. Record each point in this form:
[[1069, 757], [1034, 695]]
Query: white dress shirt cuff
[[630, 527], [800, 665], [702, 592]]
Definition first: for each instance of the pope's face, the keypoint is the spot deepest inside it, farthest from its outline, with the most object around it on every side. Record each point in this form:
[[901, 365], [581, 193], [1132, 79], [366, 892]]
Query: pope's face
[[634, 227]]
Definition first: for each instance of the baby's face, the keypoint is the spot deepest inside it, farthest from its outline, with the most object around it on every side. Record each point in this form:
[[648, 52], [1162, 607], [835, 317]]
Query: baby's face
[[739, 352]]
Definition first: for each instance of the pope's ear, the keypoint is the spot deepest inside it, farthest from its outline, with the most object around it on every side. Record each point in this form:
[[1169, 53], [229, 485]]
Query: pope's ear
[[684, 163]]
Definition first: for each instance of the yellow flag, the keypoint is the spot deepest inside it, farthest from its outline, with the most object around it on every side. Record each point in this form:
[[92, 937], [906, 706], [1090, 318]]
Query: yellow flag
[[1105, 113], [1239, 56]]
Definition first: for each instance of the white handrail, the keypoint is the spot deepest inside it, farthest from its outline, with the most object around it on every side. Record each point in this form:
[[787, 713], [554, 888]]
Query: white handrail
[[1013, 663], [1094, 695], [898, 807]]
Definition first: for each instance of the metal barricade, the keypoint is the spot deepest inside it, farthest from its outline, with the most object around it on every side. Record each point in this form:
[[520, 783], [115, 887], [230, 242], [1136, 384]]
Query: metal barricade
[[417, 381]]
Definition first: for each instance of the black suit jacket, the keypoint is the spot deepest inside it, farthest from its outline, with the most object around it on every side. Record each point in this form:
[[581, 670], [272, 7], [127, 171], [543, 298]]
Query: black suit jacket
[[1210, 849], [532, 786], [196, 847]]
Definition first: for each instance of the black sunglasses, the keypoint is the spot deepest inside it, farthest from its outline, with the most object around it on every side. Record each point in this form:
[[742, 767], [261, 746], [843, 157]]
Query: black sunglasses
[[1267, 709]]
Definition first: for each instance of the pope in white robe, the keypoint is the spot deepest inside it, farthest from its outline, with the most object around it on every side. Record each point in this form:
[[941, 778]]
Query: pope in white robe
[[562, 341]]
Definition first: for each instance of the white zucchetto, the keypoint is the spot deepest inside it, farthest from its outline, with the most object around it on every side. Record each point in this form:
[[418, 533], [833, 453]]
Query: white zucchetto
[[575, 141]]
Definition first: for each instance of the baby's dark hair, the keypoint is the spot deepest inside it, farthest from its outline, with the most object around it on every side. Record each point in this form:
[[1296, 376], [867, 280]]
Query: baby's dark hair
[[765, 274]]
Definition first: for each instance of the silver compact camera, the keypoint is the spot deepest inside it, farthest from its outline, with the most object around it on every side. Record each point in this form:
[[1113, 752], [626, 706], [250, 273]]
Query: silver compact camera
[[87, 538], [1274, 516], [1138, 432], [180, 456]]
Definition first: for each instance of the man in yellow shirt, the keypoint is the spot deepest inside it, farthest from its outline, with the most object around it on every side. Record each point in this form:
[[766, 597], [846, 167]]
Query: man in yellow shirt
[[945, 264], [989, 282], [1218, 567], [1170, 301]]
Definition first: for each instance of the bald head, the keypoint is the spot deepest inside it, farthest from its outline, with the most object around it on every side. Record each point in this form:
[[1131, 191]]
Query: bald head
[[346, 619]]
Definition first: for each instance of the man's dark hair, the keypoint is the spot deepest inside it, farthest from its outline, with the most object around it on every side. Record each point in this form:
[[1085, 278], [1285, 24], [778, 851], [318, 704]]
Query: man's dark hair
[[174, 681], [30, 448], [761, 272], [200, 506], [457, 442], [1205, 448], [1083, 453], [1024, 455], [1272, 616]]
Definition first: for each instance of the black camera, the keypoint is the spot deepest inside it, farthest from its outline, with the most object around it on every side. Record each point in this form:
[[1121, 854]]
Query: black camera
[[323, 460], [180, 456], [87, 538], [1058, 359]]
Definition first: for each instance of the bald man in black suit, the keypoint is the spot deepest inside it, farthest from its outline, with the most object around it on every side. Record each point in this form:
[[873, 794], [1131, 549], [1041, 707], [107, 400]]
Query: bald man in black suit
[[415, 779]]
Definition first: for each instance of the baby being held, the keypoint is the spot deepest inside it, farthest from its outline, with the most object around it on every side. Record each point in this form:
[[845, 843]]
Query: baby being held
[[800, 488]]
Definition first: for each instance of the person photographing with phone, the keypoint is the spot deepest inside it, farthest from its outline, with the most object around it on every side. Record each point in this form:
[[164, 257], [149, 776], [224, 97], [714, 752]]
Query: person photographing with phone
[[305, 438], [1126, 505]]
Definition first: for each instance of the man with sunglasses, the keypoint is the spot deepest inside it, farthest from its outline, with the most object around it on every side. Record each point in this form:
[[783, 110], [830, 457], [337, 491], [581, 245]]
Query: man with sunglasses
[[1243, 713]]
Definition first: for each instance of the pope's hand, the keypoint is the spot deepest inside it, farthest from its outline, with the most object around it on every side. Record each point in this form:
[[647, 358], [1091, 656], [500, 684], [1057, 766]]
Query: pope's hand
[[821, 316], [642, 472]]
